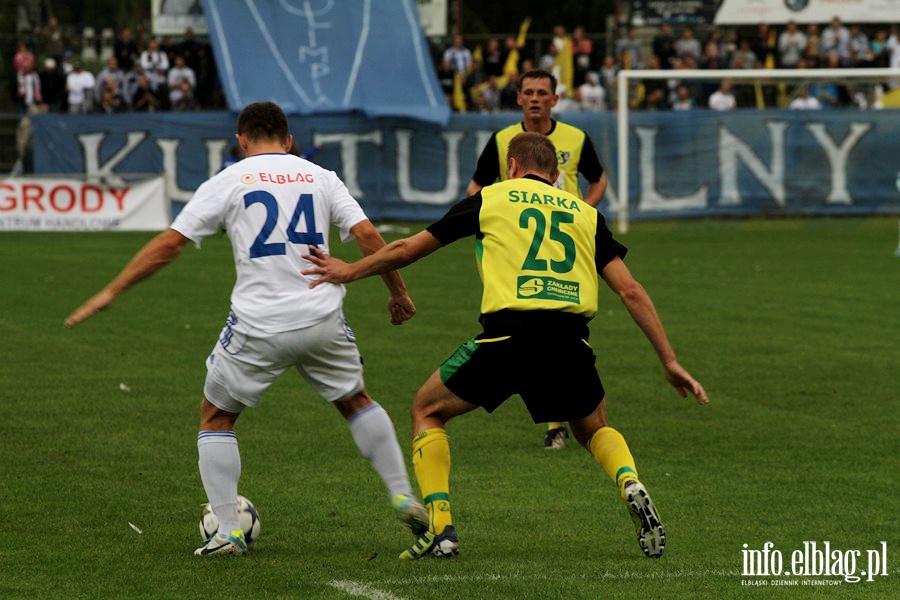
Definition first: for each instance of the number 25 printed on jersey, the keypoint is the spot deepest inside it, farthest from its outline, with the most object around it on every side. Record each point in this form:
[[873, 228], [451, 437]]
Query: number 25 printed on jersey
[[532, 262]]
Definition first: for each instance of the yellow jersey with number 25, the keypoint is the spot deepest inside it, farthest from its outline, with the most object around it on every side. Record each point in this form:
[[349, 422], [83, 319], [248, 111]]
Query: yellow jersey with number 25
[[537, 250]]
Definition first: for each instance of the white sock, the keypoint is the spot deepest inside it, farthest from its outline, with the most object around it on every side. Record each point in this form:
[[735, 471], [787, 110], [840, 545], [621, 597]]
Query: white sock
[[376, 439], [220, 469]]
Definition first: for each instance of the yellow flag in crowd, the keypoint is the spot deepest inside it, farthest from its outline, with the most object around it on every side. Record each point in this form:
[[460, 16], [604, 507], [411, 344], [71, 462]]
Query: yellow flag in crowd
[[891, 99], [478, 55], [459, 98], [758, 92], [783, 99], [512, 60], [566, 65], [523, 31], [771, 44]]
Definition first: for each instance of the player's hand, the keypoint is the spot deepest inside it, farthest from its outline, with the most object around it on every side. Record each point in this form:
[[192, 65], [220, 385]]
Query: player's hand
[[92, 306], [331, 269], [682, 381], [401, 308]]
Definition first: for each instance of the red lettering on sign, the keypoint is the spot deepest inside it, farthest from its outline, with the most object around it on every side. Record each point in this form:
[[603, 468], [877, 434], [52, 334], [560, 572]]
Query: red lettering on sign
[[280, 178], [86, 191], [262, 177], [62, 190], [11, 201], [32, 192], [119, 195]]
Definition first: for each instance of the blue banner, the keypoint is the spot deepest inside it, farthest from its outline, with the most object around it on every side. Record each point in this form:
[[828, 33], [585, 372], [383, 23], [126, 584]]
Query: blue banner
[[699, 163], [751, 162], [323, 56]]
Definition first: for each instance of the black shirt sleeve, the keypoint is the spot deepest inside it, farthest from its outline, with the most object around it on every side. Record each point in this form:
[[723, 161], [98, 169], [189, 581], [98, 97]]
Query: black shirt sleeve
[[589, 165], [606, 247], [488, 169], [459, 222]]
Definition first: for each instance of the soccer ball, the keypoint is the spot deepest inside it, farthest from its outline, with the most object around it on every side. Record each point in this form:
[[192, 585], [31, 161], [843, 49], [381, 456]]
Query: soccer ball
[[247, 516]]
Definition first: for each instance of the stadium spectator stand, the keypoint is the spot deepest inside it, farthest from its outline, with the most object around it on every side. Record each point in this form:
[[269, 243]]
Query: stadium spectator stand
[[686, 47]]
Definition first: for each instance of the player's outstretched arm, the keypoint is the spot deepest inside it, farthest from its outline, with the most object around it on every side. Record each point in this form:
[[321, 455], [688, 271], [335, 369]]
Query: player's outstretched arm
[[639, 305], [473, 188], [400, 305], [394, 256], [159, 252]]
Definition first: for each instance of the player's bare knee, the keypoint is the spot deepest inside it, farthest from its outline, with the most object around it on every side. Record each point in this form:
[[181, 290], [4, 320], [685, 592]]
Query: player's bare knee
[[584, 429], [352, 405], [427, 410], [213, 418], [421, 408]]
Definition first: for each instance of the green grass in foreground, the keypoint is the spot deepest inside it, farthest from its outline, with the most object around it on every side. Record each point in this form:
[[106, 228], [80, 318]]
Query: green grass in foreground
[[792, 326]]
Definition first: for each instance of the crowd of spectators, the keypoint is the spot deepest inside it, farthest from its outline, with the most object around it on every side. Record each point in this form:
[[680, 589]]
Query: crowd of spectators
[[143, 74], [484, 81], [148, 74]]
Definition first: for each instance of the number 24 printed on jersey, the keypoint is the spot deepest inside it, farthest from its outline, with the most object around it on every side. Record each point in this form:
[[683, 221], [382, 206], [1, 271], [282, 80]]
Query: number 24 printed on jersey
[[304, 207]]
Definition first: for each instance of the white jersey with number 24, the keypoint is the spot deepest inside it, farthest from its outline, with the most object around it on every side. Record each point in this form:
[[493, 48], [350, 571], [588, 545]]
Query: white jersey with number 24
[[273, 207]]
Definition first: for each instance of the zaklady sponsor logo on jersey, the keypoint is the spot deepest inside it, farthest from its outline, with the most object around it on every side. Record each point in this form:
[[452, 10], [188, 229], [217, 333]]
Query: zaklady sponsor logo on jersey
[[548, 288], [530, 287], [248, 178]]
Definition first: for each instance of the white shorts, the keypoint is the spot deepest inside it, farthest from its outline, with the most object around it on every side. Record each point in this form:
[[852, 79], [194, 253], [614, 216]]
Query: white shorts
[[244, 362]]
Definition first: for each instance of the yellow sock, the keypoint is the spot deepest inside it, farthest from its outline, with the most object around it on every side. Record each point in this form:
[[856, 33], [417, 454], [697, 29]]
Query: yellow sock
[[431, 461], [553, 425], [611, 451]]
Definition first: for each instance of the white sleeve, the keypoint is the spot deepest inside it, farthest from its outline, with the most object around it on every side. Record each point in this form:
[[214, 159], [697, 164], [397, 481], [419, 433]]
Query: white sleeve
[[345, 210], [203, 215]]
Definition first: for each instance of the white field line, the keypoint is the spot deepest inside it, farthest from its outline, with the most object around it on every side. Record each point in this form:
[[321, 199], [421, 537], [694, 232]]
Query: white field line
[[518, 576], [356, 588]]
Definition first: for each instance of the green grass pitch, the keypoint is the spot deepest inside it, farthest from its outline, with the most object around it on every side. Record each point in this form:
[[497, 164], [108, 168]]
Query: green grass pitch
[[791, 325]]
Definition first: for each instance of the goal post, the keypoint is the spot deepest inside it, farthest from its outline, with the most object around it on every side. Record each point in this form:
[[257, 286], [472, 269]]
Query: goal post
[[625, 77]]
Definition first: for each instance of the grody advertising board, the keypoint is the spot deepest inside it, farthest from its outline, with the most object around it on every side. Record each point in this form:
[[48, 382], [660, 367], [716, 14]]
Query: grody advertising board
[[56, 204]]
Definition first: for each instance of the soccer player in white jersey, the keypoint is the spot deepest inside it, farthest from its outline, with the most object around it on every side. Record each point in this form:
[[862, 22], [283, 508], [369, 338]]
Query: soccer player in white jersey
[[274, 206]]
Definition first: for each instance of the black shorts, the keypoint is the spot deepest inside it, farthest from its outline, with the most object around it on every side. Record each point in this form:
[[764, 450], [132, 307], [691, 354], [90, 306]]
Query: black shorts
[[553, 371]]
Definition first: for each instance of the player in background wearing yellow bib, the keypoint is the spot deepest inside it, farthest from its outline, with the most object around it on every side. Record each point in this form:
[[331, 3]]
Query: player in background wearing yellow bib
[[574, 152], [539, 252]]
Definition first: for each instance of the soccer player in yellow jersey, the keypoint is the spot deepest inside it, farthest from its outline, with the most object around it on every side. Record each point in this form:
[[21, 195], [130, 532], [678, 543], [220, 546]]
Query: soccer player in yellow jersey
[[574, 152], [539, 252]]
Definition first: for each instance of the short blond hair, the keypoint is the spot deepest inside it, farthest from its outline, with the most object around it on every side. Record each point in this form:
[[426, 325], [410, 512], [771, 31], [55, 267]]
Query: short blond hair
[[534, 152]]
